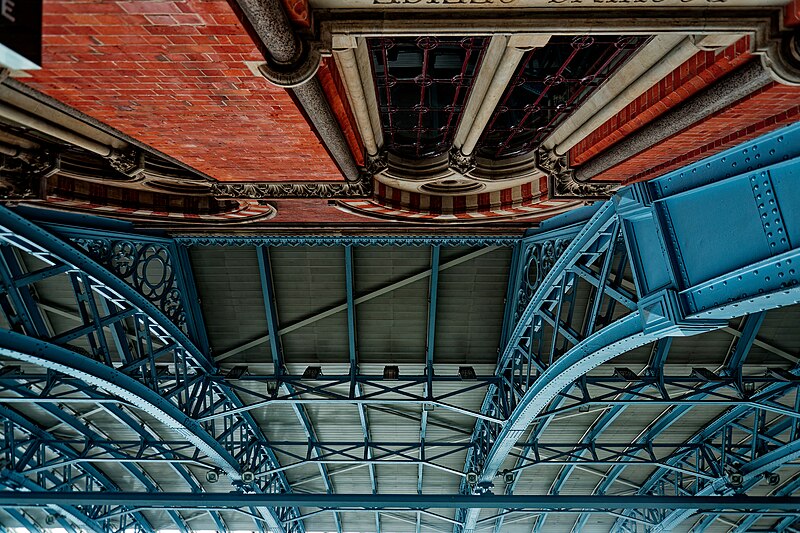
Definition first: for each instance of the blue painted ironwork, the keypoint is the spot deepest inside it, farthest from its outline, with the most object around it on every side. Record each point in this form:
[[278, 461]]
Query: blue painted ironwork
[[145, 343], [430, 344], [145, 265], [652, 270], [680, 287], [180, 500], [355, 386], [276, 352]]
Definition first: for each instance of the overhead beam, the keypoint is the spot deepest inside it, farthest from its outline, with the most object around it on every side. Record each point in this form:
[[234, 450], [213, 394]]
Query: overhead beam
[[355, 387], [234, 500]]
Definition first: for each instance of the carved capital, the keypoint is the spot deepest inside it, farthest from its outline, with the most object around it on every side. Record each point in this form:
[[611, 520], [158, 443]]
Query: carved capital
[[129, 162], [459, 162], [377, 163], [297, 189], [24, 174], [561, 179]]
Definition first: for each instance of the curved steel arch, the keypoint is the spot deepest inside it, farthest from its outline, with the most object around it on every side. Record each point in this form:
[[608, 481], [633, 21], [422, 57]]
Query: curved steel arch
[[133, 425], [682, 290], [32, 239], [94, 373], [11, 479], [733, 367]]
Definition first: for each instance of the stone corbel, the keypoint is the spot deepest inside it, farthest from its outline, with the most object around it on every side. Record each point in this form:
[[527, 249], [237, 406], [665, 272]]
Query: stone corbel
[[24, 175], [296, 73], [128, 162], [291, 58], [377, 163], [562, 183], [459, 162]]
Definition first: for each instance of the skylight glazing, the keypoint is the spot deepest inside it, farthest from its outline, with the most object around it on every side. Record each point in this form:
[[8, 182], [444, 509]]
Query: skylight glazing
[[422, 87]]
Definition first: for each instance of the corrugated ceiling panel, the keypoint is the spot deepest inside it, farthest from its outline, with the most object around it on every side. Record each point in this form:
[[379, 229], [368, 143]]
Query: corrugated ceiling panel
[[471, 307], [229, 288]]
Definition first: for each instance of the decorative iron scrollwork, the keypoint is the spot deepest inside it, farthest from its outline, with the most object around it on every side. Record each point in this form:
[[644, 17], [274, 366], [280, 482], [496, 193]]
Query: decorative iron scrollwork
[[147, 267], [539, 260]]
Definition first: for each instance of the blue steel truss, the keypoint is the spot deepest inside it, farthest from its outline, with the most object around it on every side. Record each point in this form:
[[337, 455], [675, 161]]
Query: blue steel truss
[[138, 350], [705, 244]]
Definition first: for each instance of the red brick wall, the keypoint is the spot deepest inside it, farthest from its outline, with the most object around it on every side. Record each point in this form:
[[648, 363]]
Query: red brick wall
[[765, 110], [692, 76], [171, 74]]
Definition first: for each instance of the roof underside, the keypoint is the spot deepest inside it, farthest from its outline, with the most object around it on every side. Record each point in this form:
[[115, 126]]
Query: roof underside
[[391, 289]]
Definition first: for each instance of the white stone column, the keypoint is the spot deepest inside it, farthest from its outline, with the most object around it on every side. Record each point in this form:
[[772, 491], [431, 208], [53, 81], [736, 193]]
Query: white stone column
[[499, 65], [360, 91], [657, 59]]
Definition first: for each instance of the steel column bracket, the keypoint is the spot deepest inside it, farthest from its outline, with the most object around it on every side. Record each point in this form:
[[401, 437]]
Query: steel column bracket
[[653, 272]]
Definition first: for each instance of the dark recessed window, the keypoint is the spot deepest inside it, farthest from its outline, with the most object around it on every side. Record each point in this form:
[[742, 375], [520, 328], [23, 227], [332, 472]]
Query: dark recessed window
[[422, 85], [550, 83]]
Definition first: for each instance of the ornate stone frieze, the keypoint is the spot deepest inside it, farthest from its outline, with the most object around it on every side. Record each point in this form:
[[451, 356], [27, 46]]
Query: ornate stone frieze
[[299, 189], [561, 179]]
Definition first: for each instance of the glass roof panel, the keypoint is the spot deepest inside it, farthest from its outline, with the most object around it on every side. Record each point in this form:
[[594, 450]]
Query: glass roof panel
[[422, 85]]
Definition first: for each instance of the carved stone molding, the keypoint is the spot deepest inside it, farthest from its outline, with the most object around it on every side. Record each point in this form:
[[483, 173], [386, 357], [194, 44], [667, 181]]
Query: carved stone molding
[[782, 58], [130, 162], [561, 179], [377, 163], [299, 189]]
